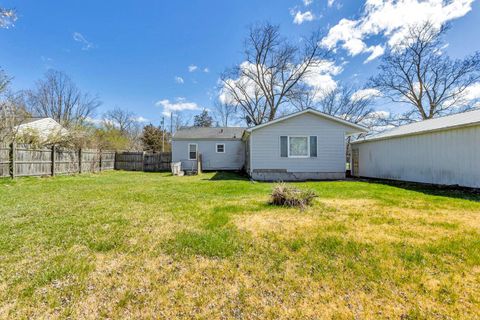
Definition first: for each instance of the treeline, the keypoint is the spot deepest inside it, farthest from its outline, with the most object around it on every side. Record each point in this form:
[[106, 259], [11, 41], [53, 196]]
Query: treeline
[[57, 96]]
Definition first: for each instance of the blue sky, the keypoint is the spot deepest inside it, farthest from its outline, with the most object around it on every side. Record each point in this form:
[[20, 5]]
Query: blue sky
[[133, 53]]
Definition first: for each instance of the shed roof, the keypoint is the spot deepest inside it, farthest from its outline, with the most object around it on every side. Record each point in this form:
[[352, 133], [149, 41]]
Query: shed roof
[[199, 133], [442, 123]]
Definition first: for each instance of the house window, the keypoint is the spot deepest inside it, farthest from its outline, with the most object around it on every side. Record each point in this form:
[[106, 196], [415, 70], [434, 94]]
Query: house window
[[298, 147], [220, 148], [192, 151]]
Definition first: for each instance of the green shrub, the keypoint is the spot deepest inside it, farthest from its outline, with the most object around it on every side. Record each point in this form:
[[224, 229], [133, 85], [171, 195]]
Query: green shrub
[[285, 195]]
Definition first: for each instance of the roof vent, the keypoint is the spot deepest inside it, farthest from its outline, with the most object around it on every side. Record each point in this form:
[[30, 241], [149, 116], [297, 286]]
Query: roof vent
[[221, 130]]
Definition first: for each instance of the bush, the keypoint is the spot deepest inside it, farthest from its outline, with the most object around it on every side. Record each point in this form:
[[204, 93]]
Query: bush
[[284, 195]]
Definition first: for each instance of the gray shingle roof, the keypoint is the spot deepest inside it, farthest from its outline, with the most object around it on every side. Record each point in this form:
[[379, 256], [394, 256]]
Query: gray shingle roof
[[453, 121], [195, 133]]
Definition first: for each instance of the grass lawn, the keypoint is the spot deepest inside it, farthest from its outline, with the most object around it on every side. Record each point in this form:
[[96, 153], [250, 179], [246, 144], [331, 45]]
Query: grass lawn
[[148, 245]]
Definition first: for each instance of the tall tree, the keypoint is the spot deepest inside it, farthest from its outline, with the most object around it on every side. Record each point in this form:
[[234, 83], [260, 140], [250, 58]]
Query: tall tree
[[155, 139], [203, 119], [57, 96], [419, 73], [224, 112], [120, 119], [272, 68]]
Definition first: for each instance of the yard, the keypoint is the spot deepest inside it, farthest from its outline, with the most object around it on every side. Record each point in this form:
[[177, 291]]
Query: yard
[[149, 245]]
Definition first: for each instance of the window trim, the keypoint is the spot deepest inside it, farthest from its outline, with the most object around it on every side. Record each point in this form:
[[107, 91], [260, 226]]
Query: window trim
[[196, 150], [219, 144], [308, 146]]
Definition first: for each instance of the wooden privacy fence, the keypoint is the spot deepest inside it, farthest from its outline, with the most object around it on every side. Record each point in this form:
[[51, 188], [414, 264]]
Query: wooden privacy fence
[[141, 161], [21, 160]]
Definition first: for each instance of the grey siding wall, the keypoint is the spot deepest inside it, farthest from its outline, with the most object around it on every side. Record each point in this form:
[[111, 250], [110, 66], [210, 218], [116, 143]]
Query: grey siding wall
[[329, 163], [232, 159], [446, 157]]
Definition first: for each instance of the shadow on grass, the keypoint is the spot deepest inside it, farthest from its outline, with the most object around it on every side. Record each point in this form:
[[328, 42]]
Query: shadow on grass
[[228, 175], [431, 189]]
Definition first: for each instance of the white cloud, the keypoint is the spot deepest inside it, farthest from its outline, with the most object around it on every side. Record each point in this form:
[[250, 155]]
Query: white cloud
[[302, 17], [206, 70], [376, 51], [179, 80], [330, 2], [320, 77], [391, 19], [192, 68], [365, 94], [180, 105], [86, 45], [307, 2], [473, 92], [141, 119]]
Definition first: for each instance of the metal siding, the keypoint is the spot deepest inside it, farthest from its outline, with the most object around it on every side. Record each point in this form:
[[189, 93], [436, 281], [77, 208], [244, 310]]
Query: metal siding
[[232, 159], [265, 144], [448, 157]]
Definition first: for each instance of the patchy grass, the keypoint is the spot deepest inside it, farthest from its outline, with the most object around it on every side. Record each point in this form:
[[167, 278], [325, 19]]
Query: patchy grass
[[145, 245]]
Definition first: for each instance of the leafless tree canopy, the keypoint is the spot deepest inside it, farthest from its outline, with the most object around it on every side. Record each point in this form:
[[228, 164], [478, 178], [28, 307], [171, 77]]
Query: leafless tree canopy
[[343, 102], [12, 114], [56, 96], [419, 73], [120, 119], [272, 68], [224, 113]]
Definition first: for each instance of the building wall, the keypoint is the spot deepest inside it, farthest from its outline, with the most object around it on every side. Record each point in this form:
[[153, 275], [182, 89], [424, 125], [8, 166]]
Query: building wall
[[267, 164], [232, 159], [450, 157]]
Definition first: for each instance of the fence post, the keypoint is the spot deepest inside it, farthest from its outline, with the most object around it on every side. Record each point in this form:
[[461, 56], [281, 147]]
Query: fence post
[[53, 160], [199, 164], [80, 160], [13, 150], [100, 161], [143, 161]]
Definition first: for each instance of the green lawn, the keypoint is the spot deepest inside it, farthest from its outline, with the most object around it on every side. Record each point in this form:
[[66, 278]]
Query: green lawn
[[148, 245]]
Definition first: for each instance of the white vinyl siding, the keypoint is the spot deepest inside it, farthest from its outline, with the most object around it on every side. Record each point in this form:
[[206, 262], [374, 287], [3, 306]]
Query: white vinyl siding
[[443, 157], [232, 159], [266, 153]]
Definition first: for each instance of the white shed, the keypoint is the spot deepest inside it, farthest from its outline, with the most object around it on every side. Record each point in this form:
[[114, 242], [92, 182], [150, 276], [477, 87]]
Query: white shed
[[443, 151]]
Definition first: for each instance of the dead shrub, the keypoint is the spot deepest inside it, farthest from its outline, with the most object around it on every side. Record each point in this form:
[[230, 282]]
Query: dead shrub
[[289, 196]]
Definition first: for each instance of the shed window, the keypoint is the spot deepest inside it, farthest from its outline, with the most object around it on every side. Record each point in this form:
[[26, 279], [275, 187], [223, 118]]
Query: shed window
[[298, 147], [192, 151], [220, 148]]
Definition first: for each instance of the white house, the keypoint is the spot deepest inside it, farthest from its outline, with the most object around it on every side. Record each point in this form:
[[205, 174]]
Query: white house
[[44, 128], [443, 150], [304, 145]]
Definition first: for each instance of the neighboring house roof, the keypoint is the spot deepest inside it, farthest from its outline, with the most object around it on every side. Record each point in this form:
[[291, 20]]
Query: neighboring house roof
[[199, 133], [468, 118], [45, 127], [356, 128]]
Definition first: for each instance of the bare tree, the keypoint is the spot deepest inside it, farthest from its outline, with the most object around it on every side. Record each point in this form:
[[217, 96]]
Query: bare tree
[[347, 103], [224, 112], [7, 17], [12, 114], [419, 73], [272, 68], [57, 96], [120, 119]]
